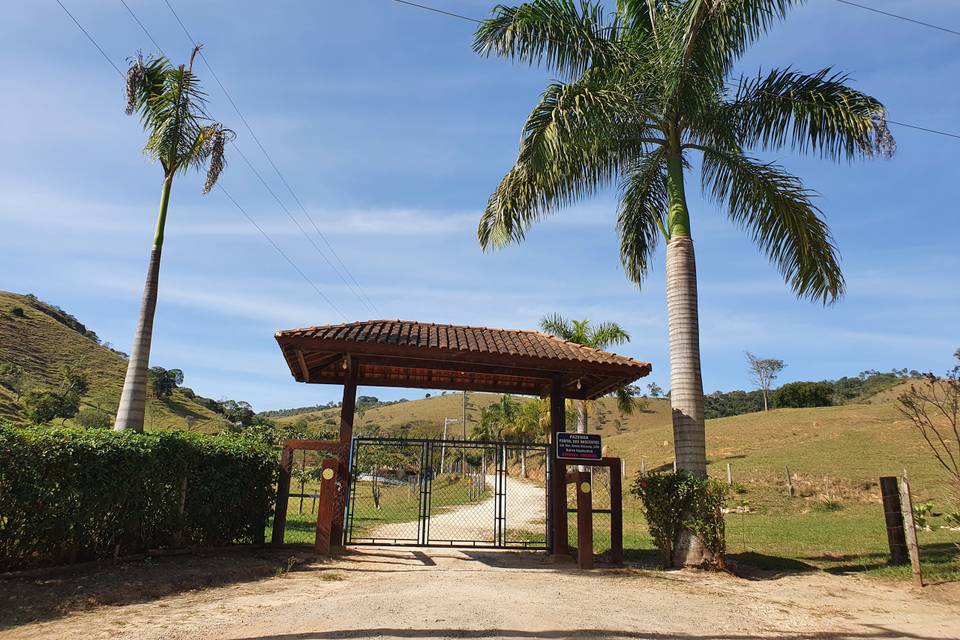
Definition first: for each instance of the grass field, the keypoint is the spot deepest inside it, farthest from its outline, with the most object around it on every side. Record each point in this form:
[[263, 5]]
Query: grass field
[[42, 346]]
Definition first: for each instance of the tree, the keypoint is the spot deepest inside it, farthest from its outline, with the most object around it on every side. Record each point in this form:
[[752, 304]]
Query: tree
[[643, 89], [164, 381], [763, 371], [799, 395], [655, 390], [181, 136], [933, 407], [12, 376], [45, 406], [601, 336]]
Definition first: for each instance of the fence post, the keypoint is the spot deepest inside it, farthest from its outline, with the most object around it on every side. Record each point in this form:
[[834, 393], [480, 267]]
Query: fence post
[[910, 530], [893, 518], [584, 520], [729, 474], [789, 481], [325, 514]]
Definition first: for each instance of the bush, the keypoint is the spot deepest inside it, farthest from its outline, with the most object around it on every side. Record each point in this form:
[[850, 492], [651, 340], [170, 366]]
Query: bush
[[44, 405], [804, 394], [71, 494], [673, 502], [94, 419]]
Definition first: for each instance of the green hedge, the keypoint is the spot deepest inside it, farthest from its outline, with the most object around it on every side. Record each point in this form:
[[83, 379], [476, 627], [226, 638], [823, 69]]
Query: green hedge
[[72, 494]]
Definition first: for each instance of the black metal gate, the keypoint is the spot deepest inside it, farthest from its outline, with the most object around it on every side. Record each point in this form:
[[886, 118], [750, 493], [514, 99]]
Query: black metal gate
[[451, 493]]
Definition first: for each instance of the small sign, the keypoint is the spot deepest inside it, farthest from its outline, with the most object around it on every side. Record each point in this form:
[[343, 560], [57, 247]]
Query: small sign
[[578, 446]]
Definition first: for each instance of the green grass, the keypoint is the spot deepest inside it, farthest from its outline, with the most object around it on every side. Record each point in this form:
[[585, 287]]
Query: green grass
[[42, 346], [399, 504]]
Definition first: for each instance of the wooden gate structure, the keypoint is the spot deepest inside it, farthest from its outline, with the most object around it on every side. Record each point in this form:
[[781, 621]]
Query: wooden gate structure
[[398, 353]]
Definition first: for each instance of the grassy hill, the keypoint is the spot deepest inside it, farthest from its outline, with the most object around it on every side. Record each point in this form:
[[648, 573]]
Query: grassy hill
[[32, 337]]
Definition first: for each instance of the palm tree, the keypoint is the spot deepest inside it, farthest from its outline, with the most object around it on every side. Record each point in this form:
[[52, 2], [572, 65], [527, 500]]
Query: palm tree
[[181, 136], [601, 336], [641, 91]]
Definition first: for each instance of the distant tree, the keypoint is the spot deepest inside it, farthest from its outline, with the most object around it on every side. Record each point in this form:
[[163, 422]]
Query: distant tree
[[763, 371], [74, 381], [93, 418], [601, 336], [164, 381], [17, 312], [427, 395], [732, 403], [45, 405], [933, 406], [804, 394], [13, 377], [180, 136], [238, 413]]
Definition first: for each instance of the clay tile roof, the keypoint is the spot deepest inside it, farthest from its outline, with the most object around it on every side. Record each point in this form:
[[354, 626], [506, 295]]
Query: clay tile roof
[[492, 359]]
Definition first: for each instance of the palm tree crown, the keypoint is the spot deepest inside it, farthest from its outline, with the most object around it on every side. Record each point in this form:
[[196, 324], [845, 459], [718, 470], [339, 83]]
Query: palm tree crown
[[644, 87]]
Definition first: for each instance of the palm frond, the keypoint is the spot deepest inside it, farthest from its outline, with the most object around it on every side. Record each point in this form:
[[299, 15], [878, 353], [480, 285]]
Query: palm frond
[[565, 36], [576, 140], [607, 334], [779, 213], [555, 324], [643, 201], [815, 112]]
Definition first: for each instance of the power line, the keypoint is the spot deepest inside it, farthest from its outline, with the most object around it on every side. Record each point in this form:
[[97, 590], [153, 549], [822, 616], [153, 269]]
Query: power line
[[282, 253], [899, 17], [142, 27], [441, 11], [323, 296], [90, 38], [889, 121], [354, 286]]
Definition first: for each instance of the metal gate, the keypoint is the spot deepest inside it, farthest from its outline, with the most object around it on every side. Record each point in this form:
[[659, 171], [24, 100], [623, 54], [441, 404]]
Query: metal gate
[[451, 493]]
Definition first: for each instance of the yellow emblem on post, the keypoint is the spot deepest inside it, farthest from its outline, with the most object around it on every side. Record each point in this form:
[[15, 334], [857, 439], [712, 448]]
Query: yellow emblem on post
[[585, 487], [328, 474]]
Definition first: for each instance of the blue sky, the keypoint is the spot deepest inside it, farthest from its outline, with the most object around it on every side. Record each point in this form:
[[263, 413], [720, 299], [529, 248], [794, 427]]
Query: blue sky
[[392, 133]]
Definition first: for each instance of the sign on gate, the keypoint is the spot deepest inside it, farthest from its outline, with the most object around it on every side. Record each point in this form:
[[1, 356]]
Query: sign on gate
[[578, 446]]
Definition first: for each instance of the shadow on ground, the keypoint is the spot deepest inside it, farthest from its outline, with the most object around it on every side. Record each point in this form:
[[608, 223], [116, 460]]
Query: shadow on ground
[[53, 593]]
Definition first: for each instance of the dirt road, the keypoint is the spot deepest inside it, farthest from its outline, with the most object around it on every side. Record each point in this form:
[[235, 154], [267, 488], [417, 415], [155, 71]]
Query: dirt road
[[526, 505], [393, 593]]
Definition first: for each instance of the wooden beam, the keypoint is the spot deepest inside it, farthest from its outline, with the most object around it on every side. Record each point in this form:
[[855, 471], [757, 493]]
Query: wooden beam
[[304, 370], [558, 494]]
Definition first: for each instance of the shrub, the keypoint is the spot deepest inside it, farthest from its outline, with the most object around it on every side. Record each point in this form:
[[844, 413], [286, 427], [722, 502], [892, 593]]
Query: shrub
[[804, 394], [94, 419], [44, 406], [17, 312], [70, 494], [673, 502]]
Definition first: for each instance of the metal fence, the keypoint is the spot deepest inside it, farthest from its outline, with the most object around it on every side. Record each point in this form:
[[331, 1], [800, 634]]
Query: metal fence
[[455, 493]]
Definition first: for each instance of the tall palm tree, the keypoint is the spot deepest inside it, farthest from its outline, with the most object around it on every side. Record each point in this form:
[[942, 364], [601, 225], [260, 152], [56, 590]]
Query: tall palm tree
[[601, 336], [644, 89], [181, 136]]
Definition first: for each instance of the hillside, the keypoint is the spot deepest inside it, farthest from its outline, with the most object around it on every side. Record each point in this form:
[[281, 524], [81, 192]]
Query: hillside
[[42, 346]]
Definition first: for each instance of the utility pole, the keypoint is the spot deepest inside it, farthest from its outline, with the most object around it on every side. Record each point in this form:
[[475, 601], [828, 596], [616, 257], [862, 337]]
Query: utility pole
[[443, 447]]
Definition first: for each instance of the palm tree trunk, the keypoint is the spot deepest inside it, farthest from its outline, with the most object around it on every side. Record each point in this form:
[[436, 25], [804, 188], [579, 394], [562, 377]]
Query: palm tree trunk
[[686, 383], [133, 399]]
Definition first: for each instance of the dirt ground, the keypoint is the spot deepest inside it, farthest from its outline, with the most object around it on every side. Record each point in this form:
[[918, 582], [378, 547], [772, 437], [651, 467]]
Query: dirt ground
[[396, 593]]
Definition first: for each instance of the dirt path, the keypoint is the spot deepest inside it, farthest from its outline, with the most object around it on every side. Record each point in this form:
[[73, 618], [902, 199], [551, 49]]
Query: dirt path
[[525, 503], [393, 594]]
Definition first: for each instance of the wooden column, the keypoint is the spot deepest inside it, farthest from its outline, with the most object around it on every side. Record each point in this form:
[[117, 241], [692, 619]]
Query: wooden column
[[893, 517], [558, 493], [283, 497], [584, 519], [347, 408], [910, 530], [616, 512], [328, 499]]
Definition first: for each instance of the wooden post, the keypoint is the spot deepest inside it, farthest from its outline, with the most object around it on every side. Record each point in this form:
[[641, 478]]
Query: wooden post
[[893, 518], [584, 520], [789, 481], [283, 497], [616, 514], [910, 530], [643, 467], [347, 408], [729, 474], [328, 500], [558, 495]]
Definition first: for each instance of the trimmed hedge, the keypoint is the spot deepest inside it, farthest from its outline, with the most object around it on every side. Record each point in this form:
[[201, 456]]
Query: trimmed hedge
[[73, 494]]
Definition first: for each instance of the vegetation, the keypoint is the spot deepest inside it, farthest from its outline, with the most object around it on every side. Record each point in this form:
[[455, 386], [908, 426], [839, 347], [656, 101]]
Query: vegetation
[[180, 136], [601, 336], [804, 394], [76, 494], [641, 91], [763, 371], [674, 502]]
